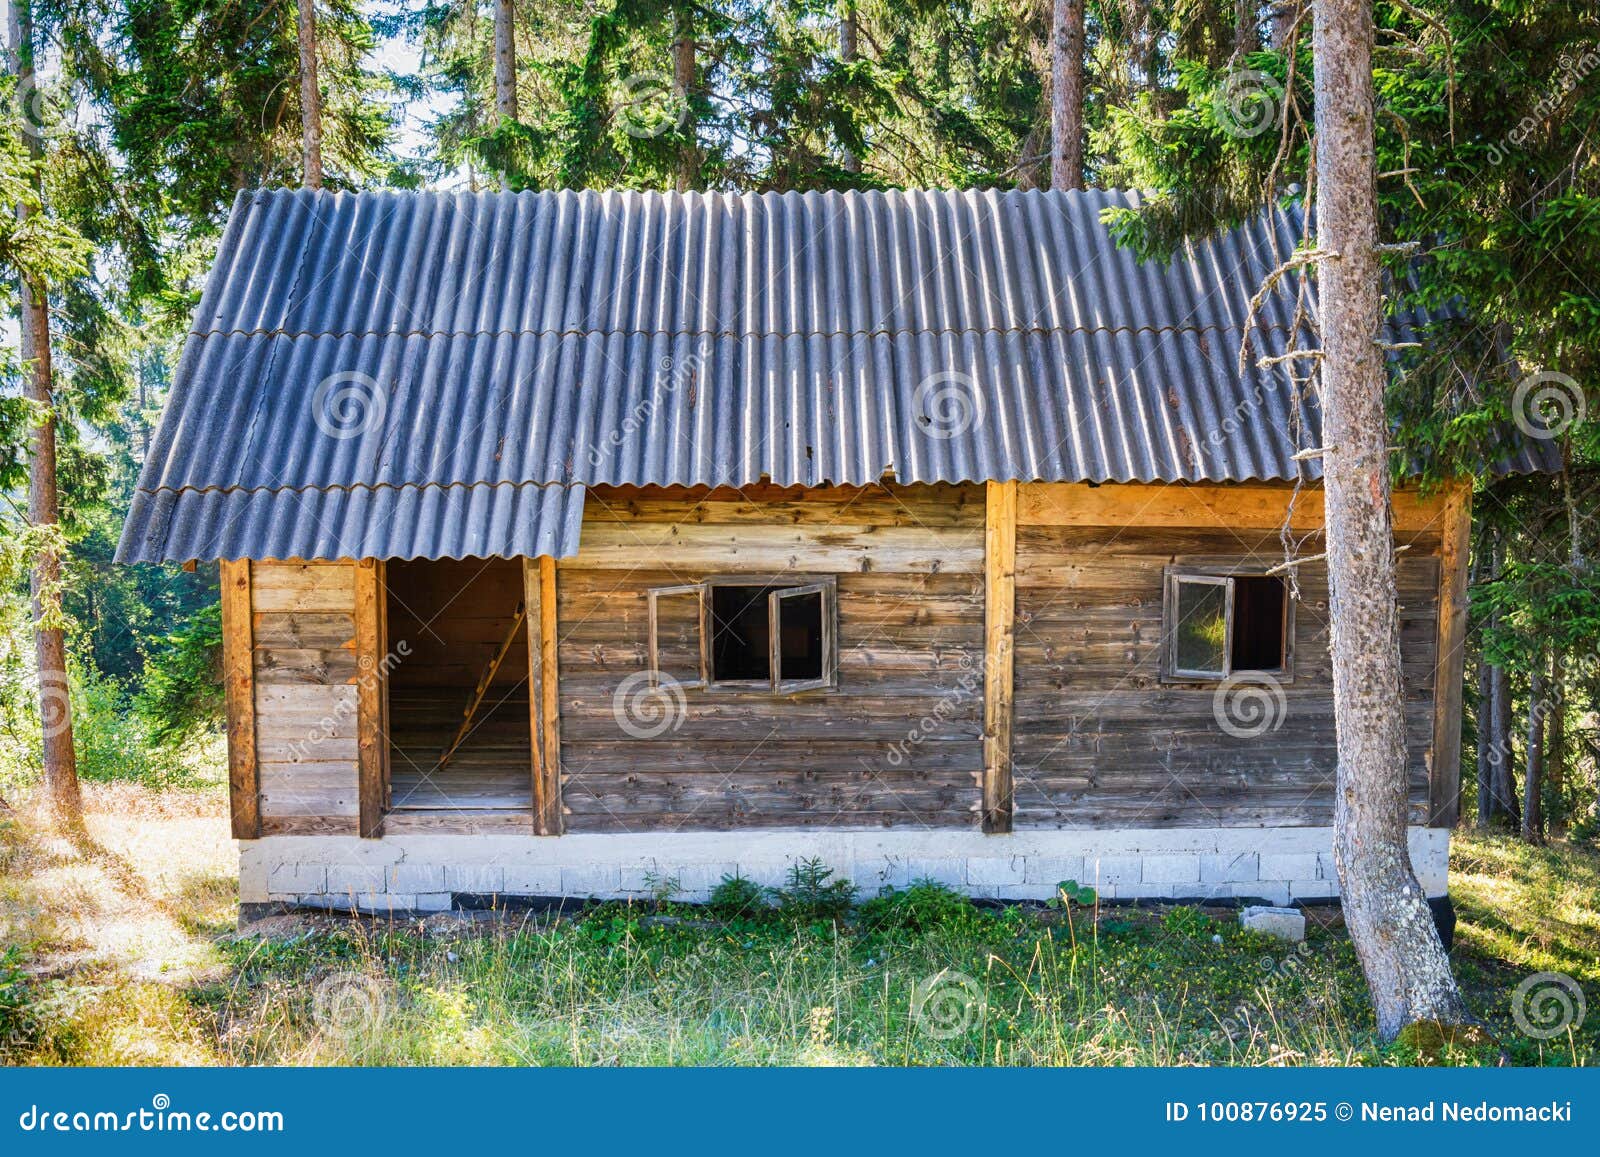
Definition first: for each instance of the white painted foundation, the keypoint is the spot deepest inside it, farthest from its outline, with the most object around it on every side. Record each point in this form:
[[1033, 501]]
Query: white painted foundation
[[426, 872]]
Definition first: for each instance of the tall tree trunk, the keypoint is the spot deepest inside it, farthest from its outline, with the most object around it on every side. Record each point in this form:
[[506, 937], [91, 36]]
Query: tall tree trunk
[[848, 28], [1283, 14], [1505, 780], [1385, 909], [505, 60], [1066, 95], [683, 51], [1246, 31], [49, 640], [1484, 562], [1555, 748], [1485, 742], [310, 98], [1533, 758], [1496, 795]]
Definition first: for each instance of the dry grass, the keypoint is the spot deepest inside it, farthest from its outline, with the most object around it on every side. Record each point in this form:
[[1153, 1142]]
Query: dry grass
[[123, 952], [120, 917]]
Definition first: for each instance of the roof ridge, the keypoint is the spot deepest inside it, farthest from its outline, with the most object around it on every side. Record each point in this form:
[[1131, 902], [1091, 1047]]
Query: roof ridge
[[730, 334], [325, 487]]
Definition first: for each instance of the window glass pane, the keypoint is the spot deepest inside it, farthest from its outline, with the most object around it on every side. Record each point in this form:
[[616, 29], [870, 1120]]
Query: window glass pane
[[740, 647], [800, 636], [1258, 614], [1200, 632]]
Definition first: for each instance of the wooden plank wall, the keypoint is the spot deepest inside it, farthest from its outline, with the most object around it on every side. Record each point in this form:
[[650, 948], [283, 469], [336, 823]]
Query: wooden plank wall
[[306, 696], [909, 562], [1095, 738], [238, 680], [1101, 741]]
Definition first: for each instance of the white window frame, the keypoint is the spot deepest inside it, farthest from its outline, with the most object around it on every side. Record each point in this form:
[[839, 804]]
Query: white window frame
[[1174, 577], [785, 587]]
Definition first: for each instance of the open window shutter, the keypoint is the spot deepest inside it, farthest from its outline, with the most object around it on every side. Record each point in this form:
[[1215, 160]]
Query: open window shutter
[[789, 601], [1199, 625], [1227, 636], [677, 632]]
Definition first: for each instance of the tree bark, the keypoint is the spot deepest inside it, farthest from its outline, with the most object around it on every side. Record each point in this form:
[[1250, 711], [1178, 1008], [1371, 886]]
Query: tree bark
[[1066, 95], [683, 52], [310, 98], [1246, 31], [505, 60], [1533, 759], [1385, 909], [1283, 14], [1485, 742], [847, 55], [44, 581], [1555, 748], [1486, 553], [1505, 783]]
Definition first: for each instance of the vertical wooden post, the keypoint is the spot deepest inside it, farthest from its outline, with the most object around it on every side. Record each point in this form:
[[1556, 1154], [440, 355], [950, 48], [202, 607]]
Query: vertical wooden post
[[239, 686], [1449, 659], [372, 733], [544, 690], [999, 585]]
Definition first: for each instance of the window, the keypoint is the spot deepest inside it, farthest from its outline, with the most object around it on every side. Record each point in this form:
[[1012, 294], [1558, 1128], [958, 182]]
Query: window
[[741, 632], [1221, 623]]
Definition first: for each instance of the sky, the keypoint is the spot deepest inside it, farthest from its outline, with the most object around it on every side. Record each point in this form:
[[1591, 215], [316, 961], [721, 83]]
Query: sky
[[396, 54]]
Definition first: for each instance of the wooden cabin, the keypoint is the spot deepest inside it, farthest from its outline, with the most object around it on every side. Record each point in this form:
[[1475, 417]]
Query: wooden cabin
[[576, 542]]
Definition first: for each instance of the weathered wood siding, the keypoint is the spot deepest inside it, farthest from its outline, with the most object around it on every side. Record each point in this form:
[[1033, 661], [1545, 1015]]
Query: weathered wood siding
[[305, 695], [897, 744], [1096, 739], [1099, 740]]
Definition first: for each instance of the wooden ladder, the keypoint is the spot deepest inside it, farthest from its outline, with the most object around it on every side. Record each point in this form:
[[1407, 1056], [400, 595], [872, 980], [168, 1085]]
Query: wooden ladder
[[482, 688]]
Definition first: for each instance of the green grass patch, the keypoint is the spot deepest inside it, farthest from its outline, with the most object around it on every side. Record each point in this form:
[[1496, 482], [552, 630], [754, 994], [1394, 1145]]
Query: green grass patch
[[800, 976]]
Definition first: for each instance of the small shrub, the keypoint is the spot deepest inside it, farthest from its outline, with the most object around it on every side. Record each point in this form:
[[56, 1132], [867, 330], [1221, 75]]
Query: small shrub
[[1070, 892], [112, 739], [17, 1024], [1186, 921], [661, 889], [183, 696], [737, 898], [813, 894], [925, 905]]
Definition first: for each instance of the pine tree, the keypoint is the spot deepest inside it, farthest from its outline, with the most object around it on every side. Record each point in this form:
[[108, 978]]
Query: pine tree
[[44, 516], [1385, 909]]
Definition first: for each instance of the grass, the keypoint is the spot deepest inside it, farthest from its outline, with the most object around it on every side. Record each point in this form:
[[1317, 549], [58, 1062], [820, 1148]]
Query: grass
[[122, 951]]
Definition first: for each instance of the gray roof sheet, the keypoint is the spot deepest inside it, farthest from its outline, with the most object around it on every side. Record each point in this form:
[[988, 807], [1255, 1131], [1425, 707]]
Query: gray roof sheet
[[438, 375]]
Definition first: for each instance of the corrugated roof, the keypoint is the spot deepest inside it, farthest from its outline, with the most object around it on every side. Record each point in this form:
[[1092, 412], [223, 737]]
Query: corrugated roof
[[426, 374]]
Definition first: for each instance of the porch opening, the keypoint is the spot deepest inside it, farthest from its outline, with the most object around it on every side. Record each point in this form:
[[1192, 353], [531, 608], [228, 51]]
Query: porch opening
[[459, 732]]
